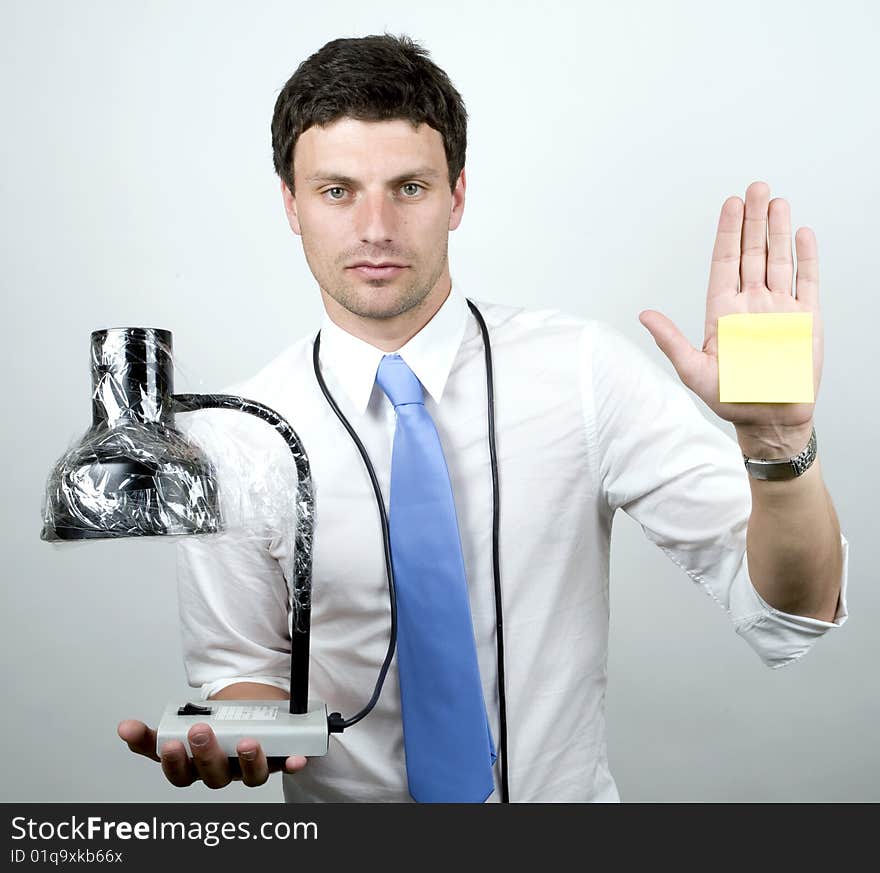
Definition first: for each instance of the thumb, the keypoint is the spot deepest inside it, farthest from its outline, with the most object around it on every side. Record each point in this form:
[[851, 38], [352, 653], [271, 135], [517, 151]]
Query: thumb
[[139, 737], [673, 343]]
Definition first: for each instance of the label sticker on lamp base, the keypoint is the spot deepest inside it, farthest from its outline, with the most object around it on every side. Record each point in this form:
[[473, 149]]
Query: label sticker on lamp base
[[766, 357]]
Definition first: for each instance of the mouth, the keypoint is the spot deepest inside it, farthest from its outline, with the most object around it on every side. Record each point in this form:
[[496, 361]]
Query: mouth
[[380, 270]]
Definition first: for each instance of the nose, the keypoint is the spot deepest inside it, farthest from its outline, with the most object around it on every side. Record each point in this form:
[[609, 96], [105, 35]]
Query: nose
[[375, 218]]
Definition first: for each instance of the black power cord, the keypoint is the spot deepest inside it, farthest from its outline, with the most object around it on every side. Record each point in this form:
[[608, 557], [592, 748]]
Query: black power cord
[[496, 563], [337, 723]]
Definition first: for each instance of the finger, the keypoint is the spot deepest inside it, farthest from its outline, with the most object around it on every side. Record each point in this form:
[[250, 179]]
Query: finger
[[753, 261], [724, 272], [807, 288], [295, 763], [176, 764], [780, 267], [211, 762], [253, 763], [141, 738]]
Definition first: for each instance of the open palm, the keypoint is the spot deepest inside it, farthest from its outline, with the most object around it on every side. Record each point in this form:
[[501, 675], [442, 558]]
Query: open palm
[[748, 276]]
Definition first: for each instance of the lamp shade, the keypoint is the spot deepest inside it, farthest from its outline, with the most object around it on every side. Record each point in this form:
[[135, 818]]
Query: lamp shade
[[132, 473]]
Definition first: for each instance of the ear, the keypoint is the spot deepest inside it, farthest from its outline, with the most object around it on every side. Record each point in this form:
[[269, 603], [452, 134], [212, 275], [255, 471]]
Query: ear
[[290, 208], [457, 210]]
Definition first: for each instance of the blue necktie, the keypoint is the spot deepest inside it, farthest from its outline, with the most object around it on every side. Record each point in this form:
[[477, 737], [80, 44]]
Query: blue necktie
[[449, 747]]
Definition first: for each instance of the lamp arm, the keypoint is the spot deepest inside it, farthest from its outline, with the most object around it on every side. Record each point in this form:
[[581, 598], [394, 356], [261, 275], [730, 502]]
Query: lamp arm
[[302, 574]]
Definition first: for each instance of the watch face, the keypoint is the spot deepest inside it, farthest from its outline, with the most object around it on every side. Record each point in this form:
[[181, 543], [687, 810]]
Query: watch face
[[773, 471], [783, 469]]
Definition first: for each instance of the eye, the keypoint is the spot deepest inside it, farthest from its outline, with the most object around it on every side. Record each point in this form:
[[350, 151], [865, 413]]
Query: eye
[[411, 189], [337, 192]]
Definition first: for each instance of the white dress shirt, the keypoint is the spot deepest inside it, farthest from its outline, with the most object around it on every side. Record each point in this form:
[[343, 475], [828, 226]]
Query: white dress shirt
[[586, 424]]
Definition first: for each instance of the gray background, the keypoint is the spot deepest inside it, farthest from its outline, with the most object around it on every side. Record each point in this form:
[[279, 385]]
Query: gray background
[[137, 188]]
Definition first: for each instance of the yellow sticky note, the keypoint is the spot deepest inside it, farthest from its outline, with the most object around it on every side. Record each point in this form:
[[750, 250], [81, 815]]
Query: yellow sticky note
[[766, 357]]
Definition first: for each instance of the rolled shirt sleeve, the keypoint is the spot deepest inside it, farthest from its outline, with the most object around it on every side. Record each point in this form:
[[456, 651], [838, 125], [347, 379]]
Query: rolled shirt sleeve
[[682, 479], [778, 637]]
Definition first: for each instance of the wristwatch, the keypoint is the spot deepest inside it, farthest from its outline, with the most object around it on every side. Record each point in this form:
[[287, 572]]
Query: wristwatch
[[783, 468]]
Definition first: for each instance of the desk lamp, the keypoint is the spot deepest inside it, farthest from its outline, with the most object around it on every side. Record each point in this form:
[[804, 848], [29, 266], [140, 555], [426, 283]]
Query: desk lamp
[[134, 474]]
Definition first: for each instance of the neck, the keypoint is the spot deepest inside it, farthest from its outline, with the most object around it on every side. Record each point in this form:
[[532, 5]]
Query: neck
[[389, 334]]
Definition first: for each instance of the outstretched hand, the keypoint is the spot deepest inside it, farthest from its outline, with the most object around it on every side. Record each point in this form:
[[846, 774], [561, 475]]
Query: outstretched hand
[[747, 276], [209, 763]]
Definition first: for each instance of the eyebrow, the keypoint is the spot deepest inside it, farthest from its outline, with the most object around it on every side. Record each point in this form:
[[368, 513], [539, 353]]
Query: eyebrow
[[419, 173]]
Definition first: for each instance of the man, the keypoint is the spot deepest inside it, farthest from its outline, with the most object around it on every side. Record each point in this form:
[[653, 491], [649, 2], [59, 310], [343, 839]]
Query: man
[[369, 141]]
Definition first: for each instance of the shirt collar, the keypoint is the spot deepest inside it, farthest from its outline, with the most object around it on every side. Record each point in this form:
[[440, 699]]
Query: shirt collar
[[429, 354]]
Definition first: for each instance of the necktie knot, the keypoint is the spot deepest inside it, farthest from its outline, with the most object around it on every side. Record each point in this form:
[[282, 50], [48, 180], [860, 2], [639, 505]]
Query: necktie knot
[[399, 383]]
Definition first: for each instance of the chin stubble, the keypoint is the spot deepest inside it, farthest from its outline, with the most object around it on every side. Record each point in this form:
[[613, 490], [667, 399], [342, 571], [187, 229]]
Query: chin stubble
[[411, 296]]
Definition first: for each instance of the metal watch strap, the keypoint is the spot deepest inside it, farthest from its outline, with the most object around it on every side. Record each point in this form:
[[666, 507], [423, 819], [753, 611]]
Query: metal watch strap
[[784, 468]]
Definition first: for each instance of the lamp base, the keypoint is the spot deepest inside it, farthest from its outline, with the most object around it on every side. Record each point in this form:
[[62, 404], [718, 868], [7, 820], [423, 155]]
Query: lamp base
[[280, 733]]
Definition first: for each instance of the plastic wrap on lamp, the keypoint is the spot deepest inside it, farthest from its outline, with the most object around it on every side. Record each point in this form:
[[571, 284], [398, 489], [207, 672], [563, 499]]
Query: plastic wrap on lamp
[[132, 473], [270, 484]]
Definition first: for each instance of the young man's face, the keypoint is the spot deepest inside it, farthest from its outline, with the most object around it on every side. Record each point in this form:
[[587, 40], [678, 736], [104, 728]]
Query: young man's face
[[374, 192]]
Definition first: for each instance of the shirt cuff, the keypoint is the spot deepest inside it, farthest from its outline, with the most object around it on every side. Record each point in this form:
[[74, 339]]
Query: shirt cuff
[[780, 638], [210, 688]]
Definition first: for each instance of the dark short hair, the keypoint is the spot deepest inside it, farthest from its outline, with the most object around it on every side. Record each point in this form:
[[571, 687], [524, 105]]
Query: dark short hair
[[370, 78]]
